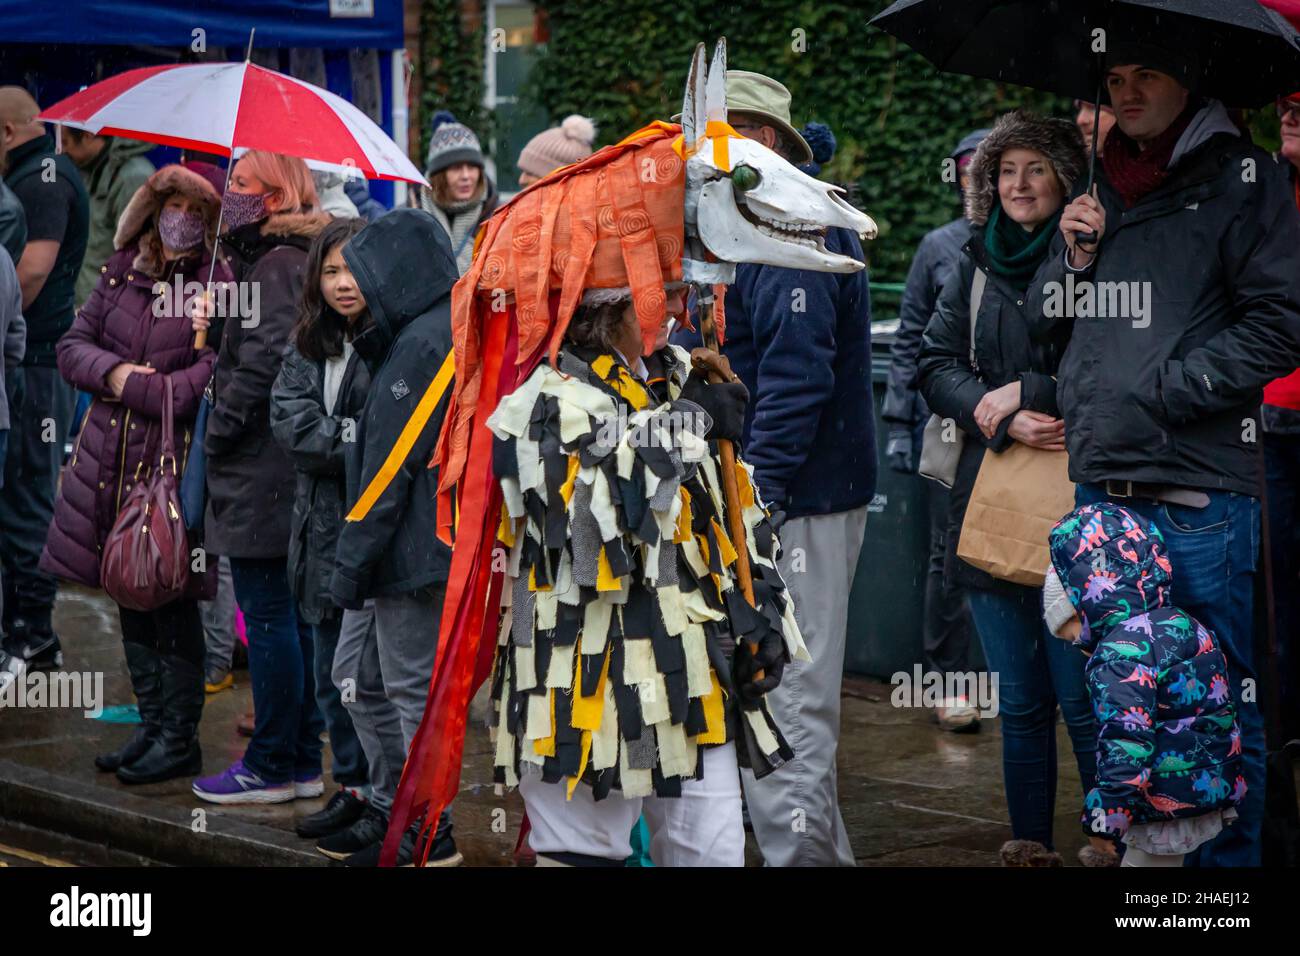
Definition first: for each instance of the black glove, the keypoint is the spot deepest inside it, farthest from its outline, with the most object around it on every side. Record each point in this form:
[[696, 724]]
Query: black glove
[[769, 657], [899, 450], [725, 403]]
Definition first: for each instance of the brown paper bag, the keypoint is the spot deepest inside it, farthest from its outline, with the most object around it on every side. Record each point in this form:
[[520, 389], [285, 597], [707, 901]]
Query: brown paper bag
[[1019, 495]]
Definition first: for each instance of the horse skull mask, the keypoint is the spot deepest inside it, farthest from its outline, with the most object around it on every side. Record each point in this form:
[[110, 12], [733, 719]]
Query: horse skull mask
[[746, 203]]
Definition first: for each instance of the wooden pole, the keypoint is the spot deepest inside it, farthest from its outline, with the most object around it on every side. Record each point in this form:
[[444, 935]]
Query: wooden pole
[[726, 451]]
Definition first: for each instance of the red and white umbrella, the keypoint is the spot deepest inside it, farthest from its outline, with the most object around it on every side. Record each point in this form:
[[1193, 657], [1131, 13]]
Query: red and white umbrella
[[226, 108]]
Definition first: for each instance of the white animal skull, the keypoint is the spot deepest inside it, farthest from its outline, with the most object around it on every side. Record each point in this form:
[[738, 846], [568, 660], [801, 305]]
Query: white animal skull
[[755, 206]]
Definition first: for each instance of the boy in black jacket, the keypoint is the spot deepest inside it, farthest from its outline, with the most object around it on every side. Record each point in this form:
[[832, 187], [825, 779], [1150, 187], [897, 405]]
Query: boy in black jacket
[[393, 555]]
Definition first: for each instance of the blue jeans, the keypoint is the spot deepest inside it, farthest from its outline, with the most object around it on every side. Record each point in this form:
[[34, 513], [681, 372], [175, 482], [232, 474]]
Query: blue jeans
[[1213, 552], [286, 737], [1035, 672], [350, 768]]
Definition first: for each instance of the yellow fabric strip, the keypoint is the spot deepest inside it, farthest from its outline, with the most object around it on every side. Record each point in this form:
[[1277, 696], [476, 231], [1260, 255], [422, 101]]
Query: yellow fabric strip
[[532, 581], [587, 711], [683, 517], [605, 580], [726, 550], [506, 533], [406, 440], [714, 714], [622, 381], [744, 487], [566, 489], [582, 765]]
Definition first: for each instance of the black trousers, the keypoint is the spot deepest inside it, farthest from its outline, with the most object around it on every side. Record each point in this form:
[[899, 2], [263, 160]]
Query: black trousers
[[1282, 461], [38, 429], [945, 643], [173, 630]]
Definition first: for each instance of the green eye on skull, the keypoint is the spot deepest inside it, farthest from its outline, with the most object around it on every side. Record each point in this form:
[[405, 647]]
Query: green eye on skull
[[744, 177]]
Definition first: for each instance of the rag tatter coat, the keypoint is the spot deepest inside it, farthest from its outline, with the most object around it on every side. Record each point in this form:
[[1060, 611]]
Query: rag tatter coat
[[120, 440], [1168, 741], [618, 655]]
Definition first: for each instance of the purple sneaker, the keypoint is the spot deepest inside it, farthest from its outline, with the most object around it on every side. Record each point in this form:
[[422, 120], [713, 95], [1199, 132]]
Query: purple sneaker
[[308, 785], [240, 785]]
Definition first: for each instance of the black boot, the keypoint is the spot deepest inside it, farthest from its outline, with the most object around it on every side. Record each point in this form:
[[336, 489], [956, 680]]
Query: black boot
[[145, 668], [176, 751]]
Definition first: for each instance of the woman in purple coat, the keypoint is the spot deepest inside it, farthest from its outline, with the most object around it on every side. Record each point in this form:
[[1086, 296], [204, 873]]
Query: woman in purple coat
[[131, 334]]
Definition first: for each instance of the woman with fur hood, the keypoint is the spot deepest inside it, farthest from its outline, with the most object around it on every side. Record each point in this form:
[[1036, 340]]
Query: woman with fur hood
[[127, 339], [272, 214], [998, 386]]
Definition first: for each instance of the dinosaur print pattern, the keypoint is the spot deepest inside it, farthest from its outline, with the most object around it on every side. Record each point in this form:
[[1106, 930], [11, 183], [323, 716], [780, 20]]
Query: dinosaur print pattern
[[1168, 740]]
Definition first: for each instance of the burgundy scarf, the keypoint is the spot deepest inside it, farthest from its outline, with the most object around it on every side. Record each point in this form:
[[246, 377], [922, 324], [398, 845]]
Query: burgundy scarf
[[1135, 172]]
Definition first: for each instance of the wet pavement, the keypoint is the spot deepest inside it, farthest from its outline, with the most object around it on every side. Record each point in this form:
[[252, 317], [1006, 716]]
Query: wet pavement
[[911, 794]]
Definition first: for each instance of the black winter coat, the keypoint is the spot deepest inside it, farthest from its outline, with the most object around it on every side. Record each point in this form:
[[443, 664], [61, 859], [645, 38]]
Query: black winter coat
[[404, 266], [1004, 353], [1171, 401], [317, 443], [935, 257], [249, 475]]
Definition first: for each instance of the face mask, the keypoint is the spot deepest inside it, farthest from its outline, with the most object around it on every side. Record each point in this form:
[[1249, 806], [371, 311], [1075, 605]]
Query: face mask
[[180, 230], [239, 209]]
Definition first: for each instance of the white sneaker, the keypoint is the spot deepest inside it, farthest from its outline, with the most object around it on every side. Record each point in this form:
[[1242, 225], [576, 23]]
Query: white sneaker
[[308, 788], [11, 668], [957, 715]]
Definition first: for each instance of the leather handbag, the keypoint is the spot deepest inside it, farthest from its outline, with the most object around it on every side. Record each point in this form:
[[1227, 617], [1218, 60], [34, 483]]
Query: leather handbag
[[1019, 494], [146, 559], [940, 452]]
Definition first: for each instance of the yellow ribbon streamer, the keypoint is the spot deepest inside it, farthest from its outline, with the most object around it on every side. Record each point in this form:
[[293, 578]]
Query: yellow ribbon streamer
[[406, 440]]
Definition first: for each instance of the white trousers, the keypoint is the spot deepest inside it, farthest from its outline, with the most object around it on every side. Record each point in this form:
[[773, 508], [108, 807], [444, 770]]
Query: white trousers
[[702, 827]]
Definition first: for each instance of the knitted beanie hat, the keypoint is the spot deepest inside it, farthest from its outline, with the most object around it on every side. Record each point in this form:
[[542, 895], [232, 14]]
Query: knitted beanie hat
[[1057, 607], [558, 146], [451, 143]]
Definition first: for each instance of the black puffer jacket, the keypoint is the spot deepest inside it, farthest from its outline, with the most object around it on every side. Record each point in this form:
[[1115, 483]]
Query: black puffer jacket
[[935, 257], [1004, 353], [249, 476], [404, 267], [1169, 401], [317, 442]]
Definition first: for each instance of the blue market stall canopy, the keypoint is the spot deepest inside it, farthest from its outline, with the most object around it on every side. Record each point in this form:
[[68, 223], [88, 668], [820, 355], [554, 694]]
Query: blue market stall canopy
[[323, 24]]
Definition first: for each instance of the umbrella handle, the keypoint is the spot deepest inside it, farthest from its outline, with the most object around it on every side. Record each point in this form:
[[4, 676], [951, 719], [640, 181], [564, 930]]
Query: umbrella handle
[[1089, 238], [201, 336]]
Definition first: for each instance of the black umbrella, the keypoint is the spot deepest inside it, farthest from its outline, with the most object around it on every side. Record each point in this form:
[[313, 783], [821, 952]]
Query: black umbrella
[[1245, 54]]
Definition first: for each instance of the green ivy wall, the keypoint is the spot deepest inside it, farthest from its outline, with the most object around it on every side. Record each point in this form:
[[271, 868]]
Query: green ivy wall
[[625, 63]]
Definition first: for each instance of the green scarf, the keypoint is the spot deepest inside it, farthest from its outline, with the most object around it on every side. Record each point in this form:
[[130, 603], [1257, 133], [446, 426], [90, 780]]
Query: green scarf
[[1014, 253]]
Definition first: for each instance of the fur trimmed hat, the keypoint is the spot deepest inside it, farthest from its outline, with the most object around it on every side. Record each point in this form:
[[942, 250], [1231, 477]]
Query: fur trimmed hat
[[140, 215], [1057, 139]]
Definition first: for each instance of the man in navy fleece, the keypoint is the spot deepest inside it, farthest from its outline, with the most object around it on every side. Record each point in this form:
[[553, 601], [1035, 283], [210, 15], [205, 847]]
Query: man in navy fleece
[[801, 343]]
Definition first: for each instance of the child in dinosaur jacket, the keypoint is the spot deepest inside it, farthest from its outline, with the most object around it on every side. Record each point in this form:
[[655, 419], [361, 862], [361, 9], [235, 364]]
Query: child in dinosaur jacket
[[1168, 743]]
